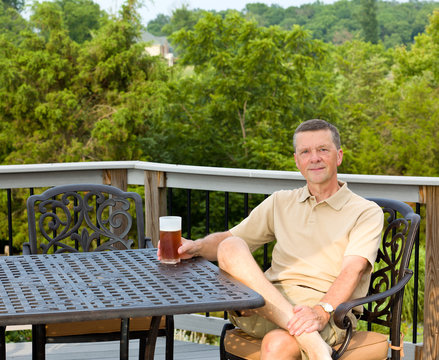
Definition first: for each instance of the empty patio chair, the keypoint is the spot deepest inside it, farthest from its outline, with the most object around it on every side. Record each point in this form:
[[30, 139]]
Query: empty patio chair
[[89, 217]]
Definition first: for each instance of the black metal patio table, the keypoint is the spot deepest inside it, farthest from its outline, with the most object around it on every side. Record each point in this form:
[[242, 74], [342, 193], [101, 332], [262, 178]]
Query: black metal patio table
[[41, 289]]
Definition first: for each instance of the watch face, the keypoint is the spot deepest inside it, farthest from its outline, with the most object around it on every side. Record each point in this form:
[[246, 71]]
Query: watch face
[[327, 307]]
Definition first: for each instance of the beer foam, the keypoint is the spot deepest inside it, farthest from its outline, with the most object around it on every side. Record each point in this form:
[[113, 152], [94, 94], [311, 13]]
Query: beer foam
[[170, 223], [170, 227]]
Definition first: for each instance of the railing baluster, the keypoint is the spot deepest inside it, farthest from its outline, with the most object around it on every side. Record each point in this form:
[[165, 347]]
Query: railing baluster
[[226, 211], [266, 263], [75, 216], [416, 283], [207, 212], [97, 224], [9, 192], [55, 248], [189, 210], [169, 201]]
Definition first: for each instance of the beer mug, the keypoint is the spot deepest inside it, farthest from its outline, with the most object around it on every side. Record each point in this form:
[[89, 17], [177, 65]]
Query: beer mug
[[170, 239]]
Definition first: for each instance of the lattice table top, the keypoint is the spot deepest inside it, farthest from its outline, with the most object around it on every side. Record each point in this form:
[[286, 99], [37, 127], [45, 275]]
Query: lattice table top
[[112, 284]]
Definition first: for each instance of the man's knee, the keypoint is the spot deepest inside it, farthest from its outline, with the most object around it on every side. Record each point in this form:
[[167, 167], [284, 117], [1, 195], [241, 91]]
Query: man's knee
[[229, 252], [279, 344]]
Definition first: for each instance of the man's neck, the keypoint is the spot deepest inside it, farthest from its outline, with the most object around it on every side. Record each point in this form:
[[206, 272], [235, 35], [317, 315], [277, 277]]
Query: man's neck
[[323, 192]]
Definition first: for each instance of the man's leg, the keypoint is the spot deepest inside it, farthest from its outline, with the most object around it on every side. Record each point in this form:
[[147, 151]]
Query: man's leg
[[235, 257], [280, 345]]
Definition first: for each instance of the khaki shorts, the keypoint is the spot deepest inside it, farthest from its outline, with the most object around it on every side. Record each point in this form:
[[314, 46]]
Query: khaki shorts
[[258, 326]]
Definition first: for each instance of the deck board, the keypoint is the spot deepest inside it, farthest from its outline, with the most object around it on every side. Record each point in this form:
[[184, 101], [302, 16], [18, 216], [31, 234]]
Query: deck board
[[110, 351]]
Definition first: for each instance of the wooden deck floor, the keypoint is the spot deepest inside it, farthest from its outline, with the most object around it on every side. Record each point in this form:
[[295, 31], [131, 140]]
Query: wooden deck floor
[[110, 351]]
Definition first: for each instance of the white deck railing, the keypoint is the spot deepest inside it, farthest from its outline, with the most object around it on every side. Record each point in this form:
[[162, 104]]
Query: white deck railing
[[402, 188]]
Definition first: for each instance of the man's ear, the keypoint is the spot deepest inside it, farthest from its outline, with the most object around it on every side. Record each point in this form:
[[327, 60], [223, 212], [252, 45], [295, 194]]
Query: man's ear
[[339, 157], [295, 160]]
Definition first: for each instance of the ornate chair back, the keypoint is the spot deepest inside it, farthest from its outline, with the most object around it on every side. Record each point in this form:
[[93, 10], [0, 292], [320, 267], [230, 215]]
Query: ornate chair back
[[83, 217]]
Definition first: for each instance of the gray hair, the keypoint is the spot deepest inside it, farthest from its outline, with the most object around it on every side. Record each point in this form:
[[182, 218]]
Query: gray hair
[[317, 124]]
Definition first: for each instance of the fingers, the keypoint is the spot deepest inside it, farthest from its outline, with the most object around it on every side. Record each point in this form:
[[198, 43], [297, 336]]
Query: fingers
[[187, 249], [305, 319], [158, 251]]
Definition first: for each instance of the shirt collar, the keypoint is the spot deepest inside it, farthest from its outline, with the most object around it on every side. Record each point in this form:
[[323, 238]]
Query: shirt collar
[[336, 201]]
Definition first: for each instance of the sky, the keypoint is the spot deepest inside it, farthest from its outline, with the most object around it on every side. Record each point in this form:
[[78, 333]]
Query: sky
[[154, 7]]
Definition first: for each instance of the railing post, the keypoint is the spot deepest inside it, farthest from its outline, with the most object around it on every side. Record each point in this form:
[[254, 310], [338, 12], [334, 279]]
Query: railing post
[[117, 178], [155, 203], [430, 196]]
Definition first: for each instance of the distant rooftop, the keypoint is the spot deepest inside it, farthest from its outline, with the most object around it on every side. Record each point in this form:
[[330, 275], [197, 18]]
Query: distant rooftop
[[148, 37]]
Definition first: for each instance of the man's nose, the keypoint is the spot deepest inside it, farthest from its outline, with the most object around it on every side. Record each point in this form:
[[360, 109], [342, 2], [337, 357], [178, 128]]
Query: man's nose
[[315, 156]]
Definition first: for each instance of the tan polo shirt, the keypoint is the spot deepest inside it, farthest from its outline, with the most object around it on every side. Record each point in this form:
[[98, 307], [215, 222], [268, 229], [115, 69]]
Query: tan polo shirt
[[313, 238]]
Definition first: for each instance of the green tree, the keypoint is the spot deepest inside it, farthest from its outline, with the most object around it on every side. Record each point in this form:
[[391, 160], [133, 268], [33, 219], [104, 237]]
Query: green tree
[[361, 71], [182, 19], [16, 4], [11, 24], [244, 90], [81, 17], [369, 21], [416, 124], [155, 26], [62, 102]]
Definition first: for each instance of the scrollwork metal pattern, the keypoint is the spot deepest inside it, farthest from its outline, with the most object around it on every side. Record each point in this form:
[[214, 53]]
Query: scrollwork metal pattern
[[92, 219], [387, 266]]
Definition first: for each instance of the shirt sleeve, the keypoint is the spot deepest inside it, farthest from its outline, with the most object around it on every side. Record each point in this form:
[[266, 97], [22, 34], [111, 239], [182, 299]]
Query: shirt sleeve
[[257, 228], [365, 236]]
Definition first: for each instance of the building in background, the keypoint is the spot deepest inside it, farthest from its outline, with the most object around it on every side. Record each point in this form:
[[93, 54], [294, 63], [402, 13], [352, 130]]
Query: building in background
[[159, 46]]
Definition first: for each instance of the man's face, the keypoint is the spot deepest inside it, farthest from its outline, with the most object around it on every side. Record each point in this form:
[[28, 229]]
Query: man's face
[[317, 157]]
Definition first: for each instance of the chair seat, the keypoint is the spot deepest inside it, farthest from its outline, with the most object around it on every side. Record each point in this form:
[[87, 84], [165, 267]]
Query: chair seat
[[99, 326], [364, 345]]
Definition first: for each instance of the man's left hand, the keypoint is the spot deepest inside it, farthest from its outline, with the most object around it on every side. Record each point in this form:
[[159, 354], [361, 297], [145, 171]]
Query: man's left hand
[[307, 319]]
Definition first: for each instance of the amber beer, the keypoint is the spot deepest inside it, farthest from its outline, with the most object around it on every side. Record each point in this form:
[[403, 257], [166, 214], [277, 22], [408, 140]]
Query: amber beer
[[170, 239]]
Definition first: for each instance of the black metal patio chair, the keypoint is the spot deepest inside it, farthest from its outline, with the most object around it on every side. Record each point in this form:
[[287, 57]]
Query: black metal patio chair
[[383, 302], [89, 217]]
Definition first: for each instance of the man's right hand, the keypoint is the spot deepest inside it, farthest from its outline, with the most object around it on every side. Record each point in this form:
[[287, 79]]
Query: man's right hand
[[187, 249]]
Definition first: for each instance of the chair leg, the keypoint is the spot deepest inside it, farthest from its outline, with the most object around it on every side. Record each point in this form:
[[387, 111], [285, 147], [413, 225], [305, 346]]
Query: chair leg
[[223, 353], [124, 338], [142, 347], [147, 346], [39, 342], [169, 337]]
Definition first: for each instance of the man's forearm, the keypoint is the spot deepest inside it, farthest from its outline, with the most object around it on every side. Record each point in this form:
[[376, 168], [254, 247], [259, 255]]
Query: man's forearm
[[348, 280]]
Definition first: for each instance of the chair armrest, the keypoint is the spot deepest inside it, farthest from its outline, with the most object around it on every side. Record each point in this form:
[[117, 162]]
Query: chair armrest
[[342, 321], [340, 314], [26, 249]]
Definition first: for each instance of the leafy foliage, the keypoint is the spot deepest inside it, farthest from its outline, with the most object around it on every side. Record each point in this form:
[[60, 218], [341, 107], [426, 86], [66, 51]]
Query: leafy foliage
[[15, 4], [390, 22], [244, 94]]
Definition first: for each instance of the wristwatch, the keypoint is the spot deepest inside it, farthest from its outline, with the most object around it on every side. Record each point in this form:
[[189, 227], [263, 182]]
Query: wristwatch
[[327, 307]]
